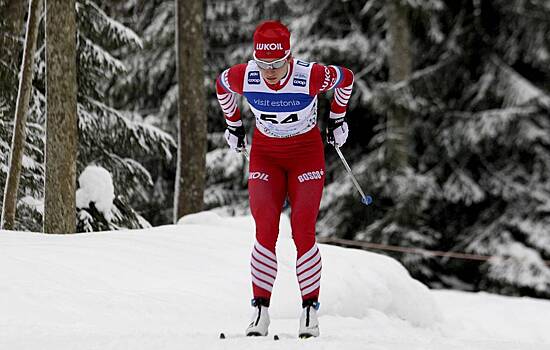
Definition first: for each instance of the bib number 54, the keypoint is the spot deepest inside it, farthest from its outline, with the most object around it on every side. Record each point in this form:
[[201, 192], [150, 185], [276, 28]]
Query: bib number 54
[[272, 118]]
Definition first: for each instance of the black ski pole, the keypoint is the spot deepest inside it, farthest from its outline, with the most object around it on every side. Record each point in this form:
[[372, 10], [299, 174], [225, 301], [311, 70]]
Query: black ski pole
[[365, 199]]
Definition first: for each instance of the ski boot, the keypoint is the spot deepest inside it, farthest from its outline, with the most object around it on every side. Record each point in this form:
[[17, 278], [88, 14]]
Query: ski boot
[[309, 324], [260, 319]]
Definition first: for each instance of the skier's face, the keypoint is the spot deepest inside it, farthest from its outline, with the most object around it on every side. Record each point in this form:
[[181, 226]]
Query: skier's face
[[274, 75]]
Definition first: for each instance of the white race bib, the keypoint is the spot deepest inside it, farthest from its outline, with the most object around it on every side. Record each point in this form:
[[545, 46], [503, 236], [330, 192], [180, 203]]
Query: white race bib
[[287, 112]]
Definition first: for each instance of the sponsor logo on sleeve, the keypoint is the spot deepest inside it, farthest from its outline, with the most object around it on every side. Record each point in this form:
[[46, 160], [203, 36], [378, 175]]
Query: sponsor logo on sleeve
[[254, 78], [302, 63], [327, 81]]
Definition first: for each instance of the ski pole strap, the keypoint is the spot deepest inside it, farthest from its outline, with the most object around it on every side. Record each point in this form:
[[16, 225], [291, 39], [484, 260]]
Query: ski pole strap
[[364, 199]]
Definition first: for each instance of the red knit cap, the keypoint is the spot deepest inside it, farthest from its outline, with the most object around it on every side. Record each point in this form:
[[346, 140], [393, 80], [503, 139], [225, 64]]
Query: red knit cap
[[271, 40]]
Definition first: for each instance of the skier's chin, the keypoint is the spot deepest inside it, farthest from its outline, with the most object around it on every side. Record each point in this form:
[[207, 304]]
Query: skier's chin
[[272, 80]]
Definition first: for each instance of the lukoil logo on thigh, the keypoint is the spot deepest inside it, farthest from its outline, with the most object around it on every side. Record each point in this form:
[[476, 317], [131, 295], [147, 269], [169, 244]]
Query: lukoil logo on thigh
[[256, 175]]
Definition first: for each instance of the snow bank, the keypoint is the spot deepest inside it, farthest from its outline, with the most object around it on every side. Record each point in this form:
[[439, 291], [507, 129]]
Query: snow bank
[[354, 282], [179, 286]]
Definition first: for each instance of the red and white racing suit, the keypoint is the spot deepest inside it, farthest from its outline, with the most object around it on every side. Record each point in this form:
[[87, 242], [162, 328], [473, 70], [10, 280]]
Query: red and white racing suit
[[286, 159]]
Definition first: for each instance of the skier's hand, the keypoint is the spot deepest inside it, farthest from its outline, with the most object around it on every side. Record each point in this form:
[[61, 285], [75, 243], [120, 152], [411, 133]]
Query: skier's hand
[[235, 137], [337, 131]]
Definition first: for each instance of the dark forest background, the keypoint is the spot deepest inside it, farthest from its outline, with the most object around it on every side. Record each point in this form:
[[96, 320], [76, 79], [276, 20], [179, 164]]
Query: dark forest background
[[474, 173]]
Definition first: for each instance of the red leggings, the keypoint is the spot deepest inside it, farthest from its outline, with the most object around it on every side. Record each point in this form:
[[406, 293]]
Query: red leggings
[[282, 168]]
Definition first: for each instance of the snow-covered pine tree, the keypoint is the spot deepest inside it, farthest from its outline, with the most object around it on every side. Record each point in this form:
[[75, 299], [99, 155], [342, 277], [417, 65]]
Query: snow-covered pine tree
[[108, 137], [124, 138], [478, 173], [483, 145], [500, 140]]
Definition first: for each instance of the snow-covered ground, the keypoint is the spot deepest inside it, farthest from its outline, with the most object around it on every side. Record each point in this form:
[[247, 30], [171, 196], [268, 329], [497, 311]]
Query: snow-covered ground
[[178, 287]]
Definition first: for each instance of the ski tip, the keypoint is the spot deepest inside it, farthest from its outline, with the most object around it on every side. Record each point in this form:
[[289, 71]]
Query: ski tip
[[275, 337], [222, 336]]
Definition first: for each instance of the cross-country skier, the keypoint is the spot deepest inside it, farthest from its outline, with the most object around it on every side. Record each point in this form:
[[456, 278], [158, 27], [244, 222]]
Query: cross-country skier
[[286, 159]]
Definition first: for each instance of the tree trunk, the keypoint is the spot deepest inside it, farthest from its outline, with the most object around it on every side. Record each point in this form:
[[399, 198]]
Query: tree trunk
[[190, 173], [400, 62], [398, 140], [18, 139], [61, 113]]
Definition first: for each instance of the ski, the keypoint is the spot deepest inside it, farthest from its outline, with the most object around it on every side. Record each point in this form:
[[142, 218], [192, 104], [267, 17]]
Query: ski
[[223, 336]]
